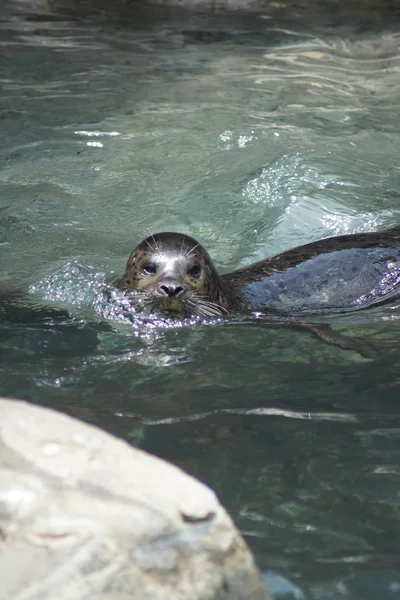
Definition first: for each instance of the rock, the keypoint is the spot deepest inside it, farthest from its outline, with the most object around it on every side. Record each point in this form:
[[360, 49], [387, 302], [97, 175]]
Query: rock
[[85, 515]]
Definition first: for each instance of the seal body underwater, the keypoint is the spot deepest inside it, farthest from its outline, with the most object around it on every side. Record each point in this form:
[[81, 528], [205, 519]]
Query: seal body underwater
[[31, 328], [172, 272]]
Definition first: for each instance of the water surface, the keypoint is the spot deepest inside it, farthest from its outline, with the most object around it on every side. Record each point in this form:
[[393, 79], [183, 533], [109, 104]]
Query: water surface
[[253, 133]]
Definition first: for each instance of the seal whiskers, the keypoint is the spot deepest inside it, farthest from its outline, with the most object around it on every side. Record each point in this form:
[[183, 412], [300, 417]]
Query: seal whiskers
[[205, 308], [189, 253]]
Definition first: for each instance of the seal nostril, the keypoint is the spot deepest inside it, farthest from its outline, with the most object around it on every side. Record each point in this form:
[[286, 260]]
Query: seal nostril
[[164, 289], [171, 290]]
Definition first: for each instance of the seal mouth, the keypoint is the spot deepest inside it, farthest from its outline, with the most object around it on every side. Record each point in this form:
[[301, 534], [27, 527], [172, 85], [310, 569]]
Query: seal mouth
[[160, 303], [184, 305], [173, 305], [192, 305]]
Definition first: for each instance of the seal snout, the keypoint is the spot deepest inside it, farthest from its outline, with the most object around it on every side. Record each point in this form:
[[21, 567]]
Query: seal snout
[[171, 290]]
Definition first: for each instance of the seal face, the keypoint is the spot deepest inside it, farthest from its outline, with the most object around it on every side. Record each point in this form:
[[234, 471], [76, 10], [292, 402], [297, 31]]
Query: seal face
[[172, 272]]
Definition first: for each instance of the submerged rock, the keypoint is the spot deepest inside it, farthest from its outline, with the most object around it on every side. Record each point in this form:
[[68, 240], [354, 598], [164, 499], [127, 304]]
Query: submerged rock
[[83, 514]]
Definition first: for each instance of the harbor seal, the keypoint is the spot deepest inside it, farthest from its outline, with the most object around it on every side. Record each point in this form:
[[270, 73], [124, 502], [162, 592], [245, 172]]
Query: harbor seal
[[173, 273]]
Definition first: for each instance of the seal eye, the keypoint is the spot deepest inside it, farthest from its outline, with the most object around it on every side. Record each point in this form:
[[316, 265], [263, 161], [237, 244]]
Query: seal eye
[[195, 271], [149, 269]]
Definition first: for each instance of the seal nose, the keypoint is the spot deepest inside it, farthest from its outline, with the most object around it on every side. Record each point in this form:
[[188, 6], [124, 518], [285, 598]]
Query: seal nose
[[171, 290]]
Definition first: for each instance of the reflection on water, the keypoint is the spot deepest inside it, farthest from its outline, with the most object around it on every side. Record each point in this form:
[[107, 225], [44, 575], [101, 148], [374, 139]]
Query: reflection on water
[[253, 133]]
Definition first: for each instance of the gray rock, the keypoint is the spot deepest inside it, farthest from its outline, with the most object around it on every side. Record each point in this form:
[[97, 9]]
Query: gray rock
[[85, 515]]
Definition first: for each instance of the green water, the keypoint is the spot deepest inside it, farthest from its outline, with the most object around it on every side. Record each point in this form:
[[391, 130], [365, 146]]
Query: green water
[[253, 133]]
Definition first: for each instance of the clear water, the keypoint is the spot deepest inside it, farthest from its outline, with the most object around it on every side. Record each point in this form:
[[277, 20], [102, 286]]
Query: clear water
[[253, 133]]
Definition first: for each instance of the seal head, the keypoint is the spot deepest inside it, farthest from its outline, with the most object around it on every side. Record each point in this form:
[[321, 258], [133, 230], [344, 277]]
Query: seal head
[[172, 272]]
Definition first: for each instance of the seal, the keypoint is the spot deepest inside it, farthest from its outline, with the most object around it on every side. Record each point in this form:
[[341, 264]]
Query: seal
[[173, 273]]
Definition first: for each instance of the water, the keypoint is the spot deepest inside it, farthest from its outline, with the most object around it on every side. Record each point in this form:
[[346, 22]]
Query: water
[[253, 133]]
